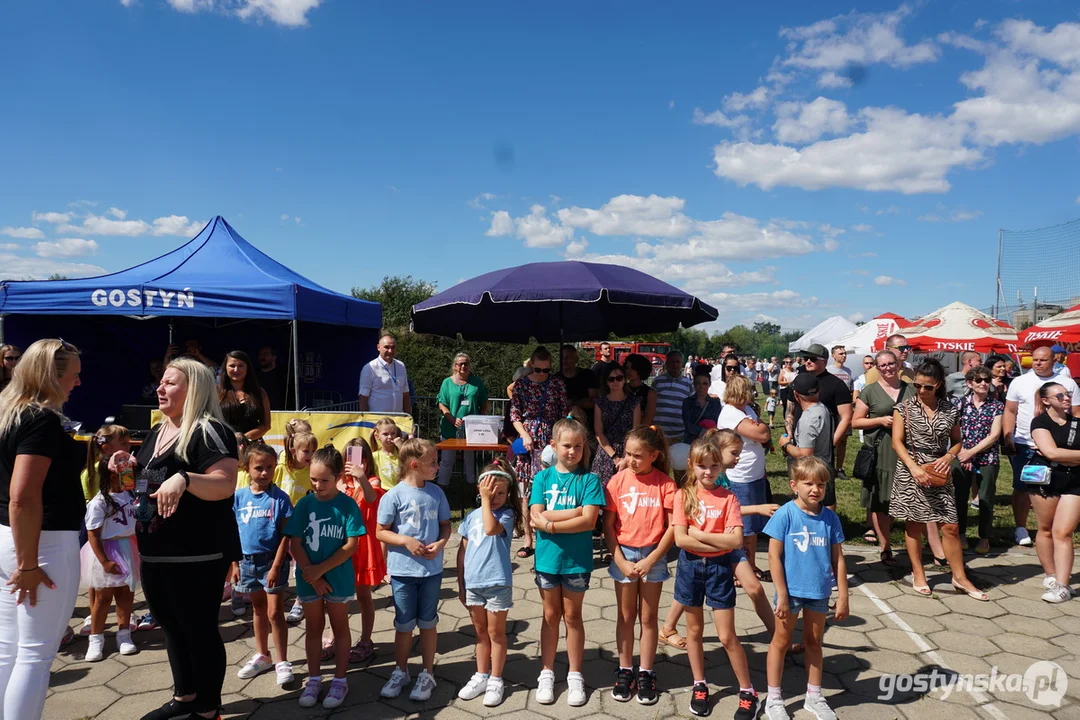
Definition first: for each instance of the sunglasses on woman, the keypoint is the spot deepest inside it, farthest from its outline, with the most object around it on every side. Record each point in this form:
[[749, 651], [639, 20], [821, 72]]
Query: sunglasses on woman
[[920, 387], [542, 371], [616, 378], [981, 381], [1060, 396], [731, 368]]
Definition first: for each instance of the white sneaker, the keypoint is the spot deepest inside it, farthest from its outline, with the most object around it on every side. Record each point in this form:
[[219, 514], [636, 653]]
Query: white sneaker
[[398, 680], [257, 665], [775, 710], [545, 687], [576, 696], [124, 644], [816, 705], [421, 690], [1022, 538], [476, 687], [1049, 582], [1056, 594], [84, 631], [284, 672], [494, 695], [95, 651], [296, 613]]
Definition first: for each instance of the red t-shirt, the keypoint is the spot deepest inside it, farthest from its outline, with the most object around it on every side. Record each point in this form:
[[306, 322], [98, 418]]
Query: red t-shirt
[[718, 510], [640, 504]]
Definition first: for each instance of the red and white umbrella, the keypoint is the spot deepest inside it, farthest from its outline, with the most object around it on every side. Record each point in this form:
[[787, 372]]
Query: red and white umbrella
[[870, 337], [958, 327], [1061, 329]]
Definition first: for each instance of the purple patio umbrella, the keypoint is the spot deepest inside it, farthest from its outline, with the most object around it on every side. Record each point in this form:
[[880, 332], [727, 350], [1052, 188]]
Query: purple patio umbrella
[[559, 301]]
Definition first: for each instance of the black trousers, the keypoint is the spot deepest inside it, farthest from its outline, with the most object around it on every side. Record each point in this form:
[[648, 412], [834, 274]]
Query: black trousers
[[185, 599]]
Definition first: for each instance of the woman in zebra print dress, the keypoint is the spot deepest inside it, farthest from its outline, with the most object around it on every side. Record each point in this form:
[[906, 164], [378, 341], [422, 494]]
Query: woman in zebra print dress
[[925, 430]]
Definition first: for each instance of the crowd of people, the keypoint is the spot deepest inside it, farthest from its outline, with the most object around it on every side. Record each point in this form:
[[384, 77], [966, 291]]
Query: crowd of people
[[205, 511]]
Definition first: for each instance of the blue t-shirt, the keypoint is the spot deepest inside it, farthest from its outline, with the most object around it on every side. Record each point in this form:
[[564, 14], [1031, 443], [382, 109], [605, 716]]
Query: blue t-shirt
[[808, 541], [415, 512], [324, 526], [487, 557], [259, 515], [565, 553]]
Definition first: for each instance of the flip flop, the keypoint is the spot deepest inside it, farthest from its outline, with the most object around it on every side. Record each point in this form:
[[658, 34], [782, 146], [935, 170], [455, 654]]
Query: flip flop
[[673, 639], [525, 552]]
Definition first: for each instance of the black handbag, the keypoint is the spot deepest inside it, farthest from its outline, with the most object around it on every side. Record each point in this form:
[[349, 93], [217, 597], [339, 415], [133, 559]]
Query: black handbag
[[866, 462]]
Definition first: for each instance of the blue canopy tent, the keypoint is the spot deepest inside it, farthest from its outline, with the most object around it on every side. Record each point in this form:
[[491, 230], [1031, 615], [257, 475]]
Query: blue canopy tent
[[216, 275]]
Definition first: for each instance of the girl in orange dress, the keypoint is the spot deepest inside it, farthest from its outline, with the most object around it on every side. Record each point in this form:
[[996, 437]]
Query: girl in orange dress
[[369, 560]]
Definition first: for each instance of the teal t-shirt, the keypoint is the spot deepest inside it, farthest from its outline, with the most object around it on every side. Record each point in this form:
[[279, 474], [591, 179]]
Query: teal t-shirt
[[565, 553], [461, 400], [324, 527]]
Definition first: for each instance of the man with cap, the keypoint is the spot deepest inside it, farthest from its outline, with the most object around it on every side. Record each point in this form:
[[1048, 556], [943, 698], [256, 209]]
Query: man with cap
[[814, 431], [832, 393], [1059, 361]]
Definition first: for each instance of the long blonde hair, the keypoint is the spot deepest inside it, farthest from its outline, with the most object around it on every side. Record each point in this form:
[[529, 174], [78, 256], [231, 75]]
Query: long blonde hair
[[200, 406], [36, 381], [708, 448]]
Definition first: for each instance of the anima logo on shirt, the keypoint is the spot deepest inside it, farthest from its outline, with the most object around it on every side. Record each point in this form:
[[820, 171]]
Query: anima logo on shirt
[[556, 495], [706, 512], [804, 539], [249, 511], [320, 529], [638, 499], [412, 515]]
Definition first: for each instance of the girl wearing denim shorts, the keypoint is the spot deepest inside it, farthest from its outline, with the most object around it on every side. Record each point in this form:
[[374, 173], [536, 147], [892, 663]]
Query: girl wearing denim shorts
[[708, 527], [414, 524], [485, 577], [564, 504], [638, 532], [324, 528]]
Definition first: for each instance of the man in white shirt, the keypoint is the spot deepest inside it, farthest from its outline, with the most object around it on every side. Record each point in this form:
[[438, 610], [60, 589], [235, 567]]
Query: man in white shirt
[[384, 385], [1016, 427]]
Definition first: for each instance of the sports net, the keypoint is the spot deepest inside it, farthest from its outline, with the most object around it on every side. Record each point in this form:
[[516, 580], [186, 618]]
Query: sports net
[[1038, 274]]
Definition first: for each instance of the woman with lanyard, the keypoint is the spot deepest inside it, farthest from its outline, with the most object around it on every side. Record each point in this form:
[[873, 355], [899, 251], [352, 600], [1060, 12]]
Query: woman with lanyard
[[462, 394], [537, 403], [1056, 434], [187, 533], [699, 411]]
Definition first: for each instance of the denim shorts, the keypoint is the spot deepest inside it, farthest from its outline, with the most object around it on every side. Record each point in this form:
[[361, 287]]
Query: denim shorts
[[574, 582], [492, 599], [658, 573], [416, 602], [1019, 459], [795, 604], [705, 580], [253, 572], [751, 493]]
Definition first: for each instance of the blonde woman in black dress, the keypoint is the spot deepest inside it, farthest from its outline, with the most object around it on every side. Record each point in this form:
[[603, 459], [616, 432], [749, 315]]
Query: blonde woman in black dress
[[925, 430]]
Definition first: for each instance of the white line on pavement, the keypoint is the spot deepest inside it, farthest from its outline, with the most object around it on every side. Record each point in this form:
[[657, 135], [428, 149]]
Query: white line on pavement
[[982, 699]]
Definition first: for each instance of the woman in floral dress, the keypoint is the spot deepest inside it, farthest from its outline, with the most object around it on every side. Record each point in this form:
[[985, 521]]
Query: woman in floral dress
[[537, 403], [614, 415]]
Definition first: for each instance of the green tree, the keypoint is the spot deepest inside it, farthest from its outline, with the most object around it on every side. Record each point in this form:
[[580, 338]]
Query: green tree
[[397, 294], [766, 328]]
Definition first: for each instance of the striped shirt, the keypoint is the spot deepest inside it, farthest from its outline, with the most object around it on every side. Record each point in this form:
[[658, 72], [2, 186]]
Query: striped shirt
[[670, 393]]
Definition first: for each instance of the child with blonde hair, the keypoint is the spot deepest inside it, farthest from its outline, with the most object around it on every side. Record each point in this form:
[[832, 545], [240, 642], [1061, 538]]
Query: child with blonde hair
[[414, 522], [293, 476], [564, 504], [386, 442], [708, 528], [805, 552]]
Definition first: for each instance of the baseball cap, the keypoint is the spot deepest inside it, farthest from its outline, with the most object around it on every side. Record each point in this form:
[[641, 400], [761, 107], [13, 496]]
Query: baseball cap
[[1057, 349], [816, 350], [805, 384]]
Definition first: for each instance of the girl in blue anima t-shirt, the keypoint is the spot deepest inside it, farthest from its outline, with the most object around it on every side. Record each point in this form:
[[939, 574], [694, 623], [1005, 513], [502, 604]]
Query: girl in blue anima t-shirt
[[564, 505]]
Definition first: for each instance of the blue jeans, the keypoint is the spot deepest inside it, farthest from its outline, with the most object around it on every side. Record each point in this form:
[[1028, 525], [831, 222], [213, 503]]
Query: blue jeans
[[658, 573], [795, 604], [574, 582], [416, 602], [705, 580], [255, 568], [1019, 459]]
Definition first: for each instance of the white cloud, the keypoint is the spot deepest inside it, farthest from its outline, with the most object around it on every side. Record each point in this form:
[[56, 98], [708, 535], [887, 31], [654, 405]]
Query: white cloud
[[623, 215], [806, 122], [576, 249], [833, 80], [954, 216], [856, 317], [7, 247], [177, 225], [51, 217], [888, 280], [127, 3], [862, 228], [284, 217], [757, 302], [831, 245], [82, 204], [895, 151], [117, 213], [478, 201], [65, 248], [23, 233], [740, 123], [855, 39], [538, 230], [289, 13], [501, 224], [295, 219], [671, 104], [891, 210], [1078, 199], [737, 102], [693, 276], [16, 267]]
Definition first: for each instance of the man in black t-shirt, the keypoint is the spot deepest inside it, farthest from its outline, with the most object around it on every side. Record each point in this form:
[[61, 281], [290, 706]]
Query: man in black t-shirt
[[606, 358], [271, 378], [581, 388], [832, 393]]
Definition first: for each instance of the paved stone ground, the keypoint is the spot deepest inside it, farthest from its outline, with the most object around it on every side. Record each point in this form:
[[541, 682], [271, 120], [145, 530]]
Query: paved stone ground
[[891, 631]]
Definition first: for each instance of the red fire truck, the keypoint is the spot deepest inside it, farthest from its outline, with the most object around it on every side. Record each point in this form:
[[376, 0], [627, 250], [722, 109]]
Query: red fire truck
[[655, 352]]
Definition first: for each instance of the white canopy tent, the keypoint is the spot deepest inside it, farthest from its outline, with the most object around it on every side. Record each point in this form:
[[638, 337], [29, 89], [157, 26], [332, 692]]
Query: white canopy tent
[[824, 332], [868, 338]]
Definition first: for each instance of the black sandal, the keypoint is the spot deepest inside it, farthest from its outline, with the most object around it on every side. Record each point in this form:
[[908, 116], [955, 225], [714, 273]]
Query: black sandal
[[870, 537], [887, 558], [525, 552]]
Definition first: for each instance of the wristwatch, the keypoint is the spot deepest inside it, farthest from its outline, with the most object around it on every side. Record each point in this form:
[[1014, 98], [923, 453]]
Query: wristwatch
[[187, 478]]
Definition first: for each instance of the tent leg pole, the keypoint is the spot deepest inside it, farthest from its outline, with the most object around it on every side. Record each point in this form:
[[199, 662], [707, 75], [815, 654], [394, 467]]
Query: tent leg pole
[[296, 368], [1, 329]]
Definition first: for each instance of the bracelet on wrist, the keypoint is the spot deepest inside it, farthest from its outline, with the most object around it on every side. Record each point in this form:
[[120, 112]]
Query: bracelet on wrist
[[26, 570]]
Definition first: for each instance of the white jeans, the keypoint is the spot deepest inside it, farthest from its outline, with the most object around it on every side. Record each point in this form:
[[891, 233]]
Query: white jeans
[[446, 466], [30, 636]]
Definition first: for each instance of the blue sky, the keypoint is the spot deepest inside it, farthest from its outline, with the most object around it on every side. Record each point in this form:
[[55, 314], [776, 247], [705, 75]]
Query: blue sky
[[784, 161]]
